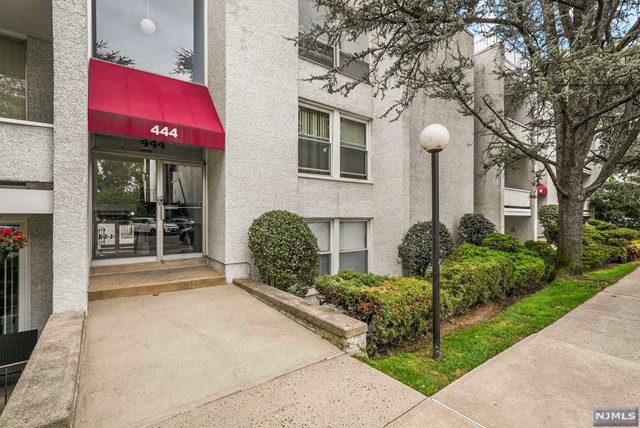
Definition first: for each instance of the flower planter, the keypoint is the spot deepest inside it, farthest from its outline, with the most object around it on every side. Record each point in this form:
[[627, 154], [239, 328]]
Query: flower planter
[[3, 255]]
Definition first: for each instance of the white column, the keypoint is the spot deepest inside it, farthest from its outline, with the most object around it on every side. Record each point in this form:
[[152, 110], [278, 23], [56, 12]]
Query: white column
[[71, 232]]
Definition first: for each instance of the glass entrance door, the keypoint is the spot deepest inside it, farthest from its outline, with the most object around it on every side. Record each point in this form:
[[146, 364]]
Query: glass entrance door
[[182, 195], [145, 207], [124, 207]]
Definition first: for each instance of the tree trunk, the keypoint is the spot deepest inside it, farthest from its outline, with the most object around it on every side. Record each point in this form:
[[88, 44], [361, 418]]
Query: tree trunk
[[569, 258]]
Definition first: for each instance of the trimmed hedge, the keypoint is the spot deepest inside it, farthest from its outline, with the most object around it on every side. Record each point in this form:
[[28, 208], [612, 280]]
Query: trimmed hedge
[[546, 253], [474, 228], [476, 275], [415, 250], [285, 251], [397, 309], [501, 242], [525, 269]]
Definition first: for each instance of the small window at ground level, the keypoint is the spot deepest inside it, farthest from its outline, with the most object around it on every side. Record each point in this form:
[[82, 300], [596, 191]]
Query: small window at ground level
[[314, 141], [353, 246], [160, 36], [13, 87], [343, 245]]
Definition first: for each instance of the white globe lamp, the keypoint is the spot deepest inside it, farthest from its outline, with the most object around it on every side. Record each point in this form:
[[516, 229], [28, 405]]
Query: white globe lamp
[[434, 138], [148, 26]]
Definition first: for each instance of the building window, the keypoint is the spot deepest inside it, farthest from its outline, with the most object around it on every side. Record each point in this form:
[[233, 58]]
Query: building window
[[314, 141], [353, 246], [164, 37], [13, 88], [344, 245], [327, 54], [316, 129], [353, 149], [322, 230]]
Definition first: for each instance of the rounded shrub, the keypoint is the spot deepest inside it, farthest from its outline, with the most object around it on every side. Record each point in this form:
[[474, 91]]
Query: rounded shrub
[[474, 228], [548, 218], [548, 214], [415, 249], [501, 242], [285, 251]]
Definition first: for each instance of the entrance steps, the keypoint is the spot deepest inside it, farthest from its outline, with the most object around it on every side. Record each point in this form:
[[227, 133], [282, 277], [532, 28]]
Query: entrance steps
[[110, 282]]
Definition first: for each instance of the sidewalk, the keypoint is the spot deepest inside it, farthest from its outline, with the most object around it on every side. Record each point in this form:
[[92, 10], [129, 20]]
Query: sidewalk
[[218, 357], [588, 358]]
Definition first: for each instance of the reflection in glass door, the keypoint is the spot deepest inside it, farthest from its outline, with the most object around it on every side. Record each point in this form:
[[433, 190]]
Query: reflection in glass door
[[10, 289], [182, 208], [124, 207]]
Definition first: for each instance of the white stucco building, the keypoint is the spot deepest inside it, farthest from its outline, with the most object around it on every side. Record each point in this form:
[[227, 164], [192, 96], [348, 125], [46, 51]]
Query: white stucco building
[[137, 131], [509, 198]]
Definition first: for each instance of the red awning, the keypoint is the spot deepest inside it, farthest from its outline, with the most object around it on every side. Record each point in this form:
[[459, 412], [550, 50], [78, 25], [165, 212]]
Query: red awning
[[133, 103]]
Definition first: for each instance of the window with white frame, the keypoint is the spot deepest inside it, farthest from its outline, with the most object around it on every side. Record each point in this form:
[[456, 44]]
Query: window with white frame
[[329, 55], [322, 230], [314, 141], [13, 88], [316, 153], [344, 245]]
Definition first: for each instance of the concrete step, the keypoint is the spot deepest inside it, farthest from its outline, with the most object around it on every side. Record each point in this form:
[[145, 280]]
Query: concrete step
[[153, 281], [147, 266]]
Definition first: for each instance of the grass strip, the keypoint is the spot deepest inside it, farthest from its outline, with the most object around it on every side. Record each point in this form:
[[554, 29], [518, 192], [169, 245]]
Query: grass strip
[[465, 349]]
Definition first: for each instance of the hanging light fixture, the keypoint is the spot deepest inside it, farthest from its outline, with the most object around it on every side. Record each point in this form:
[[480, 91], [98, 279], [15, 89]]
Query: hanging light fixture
[[147, 25]]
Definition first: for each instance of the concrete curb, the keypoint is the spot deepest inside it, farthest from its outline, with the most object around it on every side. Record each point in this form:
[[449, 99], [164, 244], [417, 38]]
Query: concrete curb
[[45, 393], [348, 334]]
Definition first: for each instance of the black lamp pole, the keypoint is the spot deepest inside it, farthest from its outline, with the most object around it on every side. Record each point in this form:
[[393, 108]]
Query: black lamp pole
[[435, 251]]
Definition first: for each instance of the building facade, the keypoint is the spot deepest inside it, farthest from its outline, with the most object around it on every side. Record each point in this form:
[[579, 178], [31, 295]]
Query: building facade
[[509, 197], [146, 131]]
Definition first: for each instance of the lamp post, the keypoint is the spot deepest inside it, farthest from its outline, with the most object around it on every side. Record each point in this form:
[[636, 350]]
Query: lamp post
[[434, 138]]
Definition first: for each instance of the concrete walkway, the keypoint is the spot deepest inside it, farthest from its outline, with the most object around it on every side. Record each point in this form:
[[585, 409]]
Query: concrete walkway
[[219, 357], [589, 358]]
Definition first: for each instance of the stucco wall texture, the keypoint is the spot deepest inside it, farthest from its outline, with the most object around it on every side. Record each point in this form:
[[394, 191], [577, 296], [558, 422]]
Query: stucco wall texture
[[258, 170], [71, 233], [488, 185], [40, 269], [27, 153]]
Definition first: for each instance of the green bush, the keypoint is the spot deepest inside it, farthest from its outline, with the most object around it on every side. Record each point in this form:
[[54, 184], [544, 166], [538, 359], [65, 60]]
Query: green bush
[[600, 224], [591, 234], [474, 228], [546, 253], [551, 233], [285, 251], [600, 245], [501, 242], [415, 250], [396, 309], [606, 243], [595, 255], [476, 275], [529, 272], [548, 218], [622, 233]]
